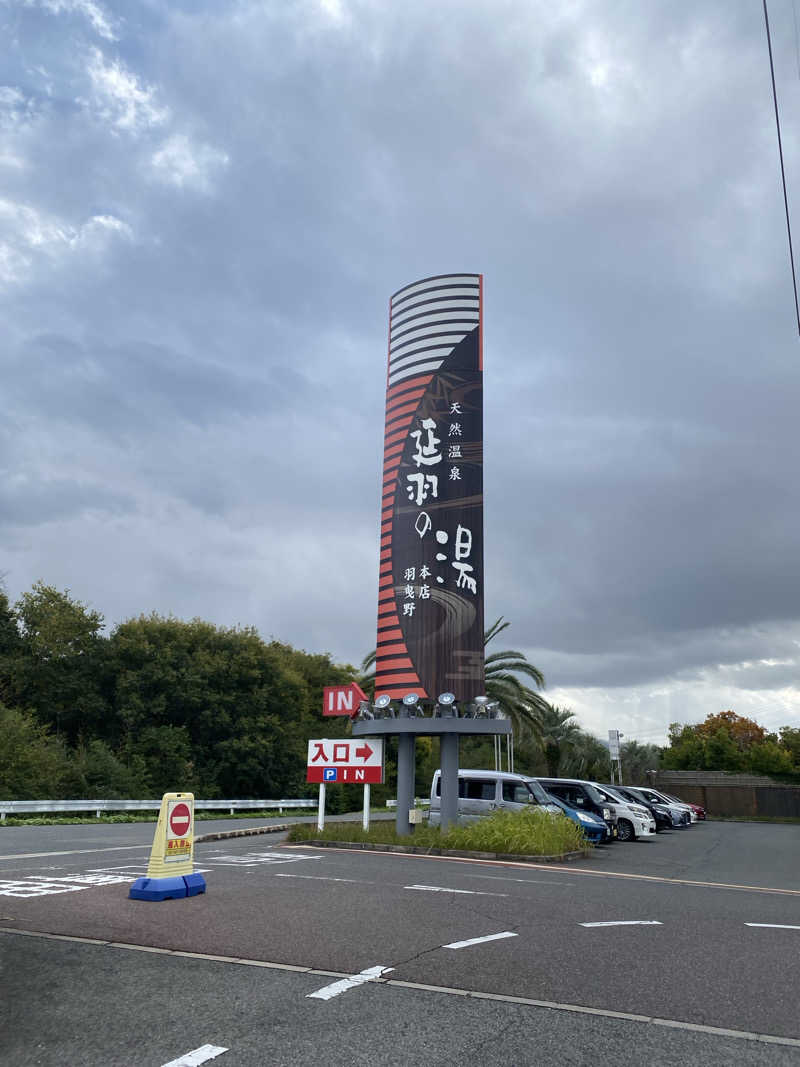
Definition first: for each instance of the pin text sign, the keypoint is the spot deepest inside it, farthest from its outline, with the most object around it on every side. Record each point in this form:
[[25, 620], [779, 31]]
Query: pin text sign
[[351, 761]]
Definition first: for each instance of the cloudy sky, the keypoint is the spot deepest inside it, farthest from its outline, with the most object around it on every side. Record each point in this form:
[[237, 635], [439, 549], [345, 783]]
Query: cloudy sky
[[204, 208]]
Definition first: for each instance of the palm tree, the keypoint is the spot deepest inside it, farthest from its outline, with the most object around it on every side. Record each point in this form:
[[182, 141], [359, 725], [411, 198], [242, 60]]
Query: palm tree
[[518, 701], [557, 731]]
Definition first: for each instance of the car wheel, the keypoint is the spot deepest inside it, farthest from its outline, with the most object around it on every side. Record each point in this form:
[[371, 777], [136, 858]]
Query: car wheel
[[625, 831]]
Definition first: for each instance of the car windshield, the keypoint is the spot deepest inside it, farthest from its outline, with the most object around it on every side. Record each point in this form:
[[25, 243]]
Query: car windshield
[[539, 795], [609, 794]]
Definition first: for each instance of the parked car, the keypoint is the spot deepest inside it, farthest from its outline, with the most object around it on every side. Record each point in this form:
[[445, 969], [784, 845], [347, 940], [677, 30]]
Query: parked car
[[665, 818], [582, 796], [685, 814], [482, 792], [593, 827], [635, 821], [699, 811]]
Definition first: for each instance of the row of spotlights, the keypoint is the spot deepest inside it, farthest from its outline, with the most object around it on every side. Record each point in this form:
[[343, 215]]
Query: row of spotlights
[[481, 706]]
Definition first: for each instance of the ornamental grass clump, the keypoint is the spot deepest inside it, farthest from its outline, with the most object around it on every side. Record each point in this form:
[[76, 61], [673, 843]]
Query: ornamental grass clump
[[528, 832], [523, 833]]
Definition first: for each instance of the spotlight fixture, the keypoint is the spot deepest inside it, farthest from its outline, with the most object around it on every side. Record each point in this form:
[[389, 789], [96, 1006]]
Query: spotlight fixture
[[493, 709], [446, 705], [363, 710], [382, 706], [410, 701]]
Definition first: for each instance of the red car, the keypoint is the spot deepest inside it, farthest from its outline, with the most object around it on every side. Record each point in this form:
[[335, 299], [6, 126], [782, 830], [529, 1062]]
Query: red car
[[699, 812]]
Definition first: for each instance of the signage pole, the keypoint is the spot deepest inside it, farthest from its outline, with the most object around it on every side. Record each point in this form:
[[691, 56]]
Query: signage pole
[[365, 820], [321, 808]]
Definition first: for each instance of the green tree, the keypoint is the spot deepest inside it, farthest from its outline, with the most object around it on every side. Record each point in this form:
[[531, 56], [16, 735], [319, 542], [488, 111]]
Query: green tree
[[559, 730], [637, 759], [9, 647], [790, 740], [769, 758], [33, 764], [57, 670], [584, 756], [523, 706]]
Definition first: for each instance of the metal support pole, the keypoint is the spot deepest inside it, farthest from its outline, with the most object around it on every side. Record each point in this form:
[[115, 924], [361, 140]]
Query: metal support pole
[[509, 768], [405, 781], [321, 808], [365, 820], [448, 803]]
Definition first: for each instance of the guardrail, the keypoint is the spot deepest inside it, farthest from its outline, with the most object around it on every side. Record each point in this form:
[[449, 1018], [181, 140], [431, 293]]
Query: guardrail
[[419, 802], [17, 807]]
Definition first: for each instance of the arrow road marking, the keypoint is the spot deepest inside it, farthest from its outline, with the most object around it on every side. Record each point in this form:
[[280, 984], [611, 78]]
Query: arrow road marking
[[627, 922], [342, 986], [444, 889], [774, 926], [197, 1056], [479, 940]]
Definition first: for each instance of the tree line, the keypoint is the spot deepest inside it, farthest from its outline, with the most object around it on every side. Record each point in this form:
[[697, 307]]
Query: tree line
[[159, 703]]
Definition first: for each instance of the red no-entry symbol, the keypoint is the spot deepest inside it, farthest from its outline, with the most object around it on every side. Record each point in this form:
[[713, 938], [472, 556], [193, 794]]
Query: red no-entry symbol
[[180, 820]]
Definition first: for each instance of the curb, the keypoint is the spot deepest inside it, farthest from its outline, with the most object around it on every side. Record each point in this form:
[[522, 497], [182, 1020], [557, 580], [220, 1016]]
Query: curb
[[223, 835], [366, 846]]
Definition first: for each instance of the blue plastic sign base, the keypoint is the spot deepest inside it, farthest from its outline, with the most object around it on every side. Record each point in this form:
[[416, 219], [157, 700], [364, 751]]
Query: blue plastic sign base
[[195, 883], [167, 888]]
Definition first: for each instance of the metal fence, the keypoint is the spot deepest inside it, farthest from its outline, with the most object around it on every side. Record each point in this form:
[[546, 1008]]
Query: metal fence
[[18, 807]]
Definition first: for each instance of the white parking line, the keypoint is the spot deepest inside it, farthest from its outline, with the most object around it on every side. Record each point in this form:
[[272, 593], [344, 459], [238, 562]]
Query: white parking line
[[354, 980], [627, 922], [445, 889], [324, 878], [70, 852], [774, 926], [479, 940], [197, 1056]]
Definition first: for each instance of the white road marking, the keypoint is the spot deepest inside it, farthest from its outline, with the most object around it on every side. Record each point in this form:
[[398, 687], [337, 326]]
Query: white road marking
[[774, 926], [627, 922], [197, 1056], [30, 888], [255, 859], [444, 889], [324, 878], [525, 881], [552, 1005], [354, 980], [479, 940], [69, 852]]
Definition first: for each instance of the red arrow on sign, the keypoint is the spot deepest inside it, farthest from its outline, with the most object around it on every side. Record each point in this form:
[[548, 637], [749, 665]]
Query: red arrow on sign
[[364, 752]]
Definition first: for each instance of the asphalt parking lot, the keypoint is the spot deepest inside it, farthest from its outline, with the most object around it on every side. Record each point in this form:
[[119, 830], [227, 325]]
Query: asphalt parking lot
[[682, 949]]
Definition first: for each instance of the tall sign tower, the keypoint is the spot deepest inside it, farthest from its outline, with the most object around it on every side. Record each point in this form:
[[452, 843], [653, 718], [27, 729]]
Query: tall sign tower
[[430, 599]]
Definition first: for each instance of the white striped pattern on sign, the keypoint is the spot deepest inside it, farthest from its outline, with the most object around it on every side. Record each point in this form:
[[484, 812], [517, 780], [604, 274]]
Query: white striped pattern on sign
[[428, 320]]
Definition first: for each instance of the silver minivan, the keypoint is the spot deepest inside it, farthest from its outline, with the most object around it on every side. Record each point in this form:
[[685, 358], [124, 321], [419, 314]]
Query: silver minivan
[[482, 792]]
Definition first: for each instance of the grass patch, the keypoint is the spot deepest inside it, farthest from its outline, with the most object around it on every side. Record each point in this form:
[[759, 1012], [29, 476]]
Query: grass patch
[[523, 833]]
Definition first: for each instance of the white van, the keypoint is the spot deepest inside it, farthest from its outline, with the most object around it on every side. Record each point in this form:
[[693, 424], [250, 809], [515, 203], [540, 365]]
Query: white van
[[482, 792]]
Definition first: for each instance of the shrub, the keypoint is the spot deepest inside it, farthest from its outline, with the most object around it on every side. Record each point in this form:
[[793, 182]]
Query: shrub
[[524, 833]]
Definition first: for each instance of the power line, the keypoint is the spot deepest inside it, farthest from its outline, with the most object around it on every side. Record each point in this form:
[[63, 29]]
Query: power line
[[783, 172]]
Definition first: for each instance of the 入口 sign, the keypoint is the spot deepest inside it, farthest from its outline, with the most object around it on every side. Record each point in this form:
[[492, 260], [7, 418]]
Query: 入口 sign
[[348, 761]]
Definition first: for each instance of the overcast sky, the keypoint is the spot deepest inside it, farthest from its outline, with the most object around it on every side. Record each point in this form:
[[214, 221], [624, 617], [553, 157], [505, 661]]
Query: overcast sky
[[204, 208]]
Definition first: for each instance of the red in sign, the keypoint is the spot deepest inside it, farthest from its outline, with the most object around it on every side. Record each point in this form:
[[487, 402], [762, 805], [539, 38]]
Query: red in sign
[[342, 699], [180, 819]]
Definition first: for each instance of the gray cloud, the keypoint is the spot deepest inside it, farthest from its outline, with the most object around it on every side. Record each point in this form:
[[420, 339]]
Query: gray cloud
[[204, 211]]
